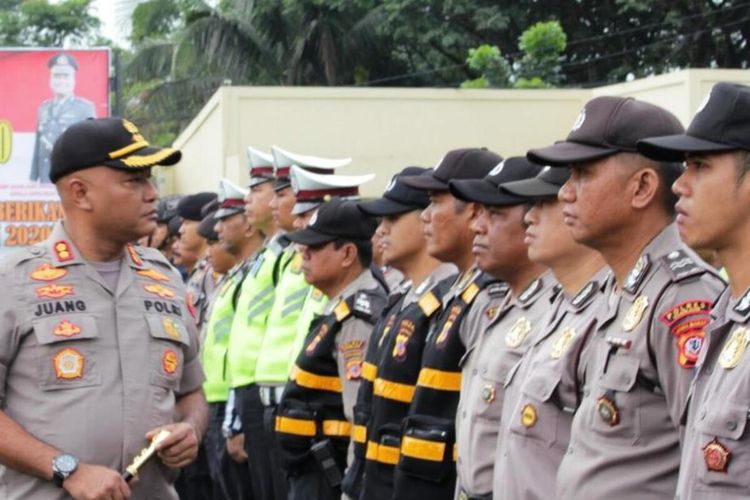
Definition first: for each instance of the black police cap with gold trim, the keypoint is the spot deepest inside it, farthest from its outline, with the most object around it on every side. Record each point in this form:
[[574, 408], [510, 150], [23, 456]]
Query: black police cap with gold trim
[[112, 142]]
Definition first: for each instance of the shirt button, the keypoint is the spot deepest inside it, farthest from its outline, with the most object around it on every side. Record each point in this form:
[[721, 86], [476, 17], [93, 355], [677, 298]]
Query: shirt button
[[732, 425], [703, 415], [570, 449], [463, 414], [474, 371]]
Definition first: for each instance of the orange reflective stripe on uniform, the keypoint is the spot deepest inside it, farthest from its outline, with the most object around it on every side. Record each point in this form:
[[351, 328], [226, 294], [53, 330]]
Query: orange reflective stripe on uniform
[[313, 381], [302, 427], [439, 379], [337, 428], [422, 449], [359, 434], [369, 371], [455, 452], [382, 453], [297, 426], [393, 390]]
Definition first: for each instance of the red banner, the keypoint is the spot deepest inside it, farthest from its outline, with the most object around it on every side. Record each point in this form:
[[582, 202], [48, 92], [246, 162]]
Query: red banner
[[42, 92]]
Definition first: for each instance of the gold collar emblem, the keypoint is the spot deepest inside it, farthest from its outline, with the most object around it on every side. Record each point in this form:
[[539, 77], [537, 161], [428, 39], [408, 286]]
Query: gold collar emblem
[[734, 348], [635, 313], [518, 332]]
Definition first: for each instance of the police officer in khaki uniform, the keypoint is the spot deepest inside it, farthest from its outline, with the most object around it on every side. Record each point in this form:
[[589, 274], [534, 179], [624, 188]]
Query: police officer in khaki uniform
[[315, 413], [191, 253], [394, 358], [58, 113], [500, 251], [712, 214], [625, 439], [98, 349], [542, 396]]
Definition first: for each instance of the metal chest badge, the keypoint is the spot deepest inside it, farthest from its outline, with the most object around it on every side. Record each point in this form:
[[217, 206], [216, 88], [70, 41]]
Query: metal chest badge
[[518, 332], [635, 313], [608, 410], [488, 393], [562, 343], [528, 416], [734, 348], [716, 456]]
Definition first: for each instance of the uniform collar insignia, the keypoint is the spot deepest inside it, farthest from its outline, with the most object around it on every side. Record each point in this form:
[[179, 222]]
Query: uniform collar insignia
[[423, 286], [586, 293], [497, 290], [743, 305], [63, 251], [637, 274], [530, 291], [135, 255]]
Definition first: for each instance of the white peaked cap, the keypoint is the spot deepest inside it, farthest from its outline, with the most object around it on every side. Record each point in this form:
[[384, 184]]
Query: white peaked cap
[[260, 165], [284, 158], [231, 199], [313, 189]]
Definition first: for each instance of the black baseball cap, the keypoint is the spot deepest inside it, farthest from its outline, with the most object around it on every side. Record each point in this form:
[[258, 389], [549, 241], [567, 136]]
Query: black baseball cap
[[190, 206], [206, 227], [112, 142], [335, 220], [722, 123], [467, 163], [398, 198], [167, 208], [546, 184], [486, 191], [608, 125]]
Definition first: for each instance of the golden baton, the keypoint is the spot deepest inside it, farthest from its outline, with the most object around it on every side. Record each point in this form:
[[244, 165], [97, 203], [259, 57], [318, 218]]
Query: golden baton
[[145, 454]]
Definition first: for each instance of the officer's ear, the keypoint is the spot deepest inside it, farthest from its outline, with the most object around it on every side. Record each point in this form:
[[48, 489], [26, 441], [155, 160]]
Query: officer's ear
[[351, 255], [74, 190], [645, 187]]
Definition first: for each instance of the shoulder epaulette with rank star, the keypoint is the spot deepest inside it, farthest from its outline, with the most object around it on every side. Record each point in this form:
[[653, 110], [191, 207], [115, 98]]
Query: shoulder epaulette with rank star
[[585, 294], [429, 303], [637, 274], [681, 265], [530, 291]]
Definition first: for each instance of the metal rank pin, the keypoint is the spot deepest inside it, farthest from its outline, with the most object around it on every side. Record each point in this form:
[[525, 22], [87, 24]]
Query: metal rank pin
[[716, 456], [635, 313], [528, 416], [488, 393], [734, 348]]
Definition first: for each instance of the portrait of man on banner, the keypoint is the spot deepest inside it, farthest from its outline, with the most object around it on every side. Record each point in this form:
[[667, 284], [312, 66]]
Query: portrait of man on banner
[[58, 113]]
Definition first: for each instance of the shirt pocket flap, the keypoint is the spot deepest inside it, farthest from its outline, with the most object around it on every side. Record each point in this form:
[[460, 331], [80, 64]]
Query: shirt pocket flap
[[60, 329], [725, 420], [621, 374], [166, 328], [542, 385]]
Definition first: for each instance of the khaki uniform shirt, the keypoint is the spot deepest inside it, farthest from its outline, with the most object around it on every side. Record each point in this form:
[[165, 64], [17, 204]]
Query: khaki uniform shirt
[[543, 396], [351, 345], [625, 439], [716, 450], [87, 369], [508, 335], [200, 287]]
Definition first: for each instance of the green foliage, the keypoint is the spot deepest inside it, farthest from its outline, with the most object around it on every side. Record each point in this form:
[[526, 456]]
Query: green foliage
[[489, 62], [543, 45], [154, 19], [41, 23]]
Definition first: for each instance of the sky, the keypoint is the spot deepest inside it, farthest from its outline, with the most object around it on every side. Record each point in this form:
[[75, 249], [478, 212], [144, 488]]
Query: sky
[[109, 13]]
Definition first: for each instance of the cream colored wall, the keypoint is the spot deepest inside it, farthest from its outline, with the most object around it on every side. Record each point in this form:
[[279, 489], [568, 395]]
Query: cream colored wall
[[384, 130]]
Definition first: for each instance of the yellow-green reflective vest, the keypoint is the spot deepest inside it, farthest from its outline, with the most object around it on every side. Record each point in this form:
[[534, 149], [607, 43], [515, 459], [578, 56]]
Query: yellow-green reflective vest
[[218, 327], [315, 303], [257, 294], [278, 343]]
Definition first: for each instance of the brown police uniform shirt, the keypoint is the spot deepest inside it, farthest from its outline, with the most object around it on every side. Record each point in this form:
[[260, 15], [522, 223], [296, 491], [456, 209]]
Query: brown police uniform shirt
[[543, 396], [506, 338], [625, 438], [351, 342], [87, 369], [716, 450]]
